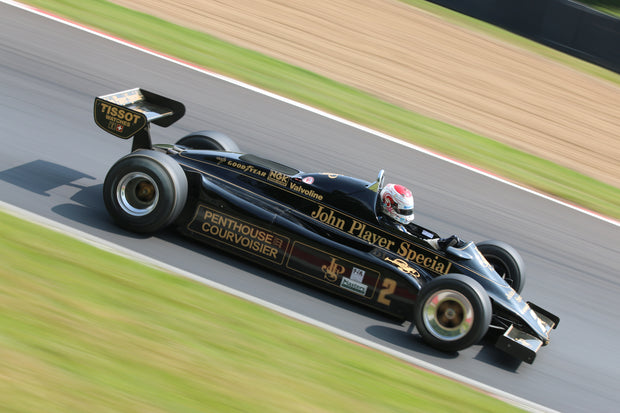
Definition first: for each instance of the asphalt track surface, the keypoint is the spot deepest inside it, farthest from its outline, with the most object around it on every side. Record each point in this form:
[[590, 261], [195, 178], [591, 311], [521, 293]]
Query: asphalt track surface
[[54, 160]]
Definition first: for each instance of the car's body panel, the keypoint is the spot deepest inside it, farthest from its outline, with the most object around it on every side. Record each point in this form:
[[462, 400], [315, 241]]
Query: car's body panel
[[324, 229], [331, 218], [242, 210]]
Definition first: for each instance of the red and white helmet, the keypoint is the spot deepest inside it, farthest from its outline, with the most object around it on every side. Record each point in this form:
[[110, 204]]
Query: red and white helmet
[[397, 203]]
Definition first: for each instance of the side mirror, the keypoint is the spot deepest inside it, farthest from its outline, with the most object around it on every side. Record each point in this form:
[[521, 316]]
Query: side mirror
[[377, 186]]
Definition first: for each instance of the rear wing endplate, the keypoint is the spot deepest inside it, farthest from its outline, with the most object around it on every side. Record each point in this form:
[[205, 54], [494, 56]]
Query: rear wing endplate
[[128, 114]]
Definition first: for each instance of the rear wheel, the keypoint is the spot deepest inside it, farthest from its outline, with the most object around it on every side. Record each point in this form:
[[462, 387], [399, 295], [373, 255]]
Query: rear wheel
[[452, 312], [506, 261], [209, 140], [145, 191]]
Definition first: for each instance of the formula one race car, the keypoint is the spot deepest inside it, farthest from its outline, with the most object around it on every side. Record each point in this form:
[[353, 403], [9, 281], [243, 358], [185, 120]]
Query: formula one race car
[[321, 228]]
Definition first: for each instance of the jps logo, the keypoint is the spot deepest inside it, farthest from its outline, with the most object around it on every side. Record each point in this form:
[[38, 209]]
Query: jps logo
[[333, 270], [278, 178]]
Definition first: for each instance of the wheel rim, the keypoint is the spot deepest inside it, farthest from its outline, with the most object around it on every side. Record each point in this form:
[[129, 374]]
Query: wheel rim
[[137, 194], [448, 315]]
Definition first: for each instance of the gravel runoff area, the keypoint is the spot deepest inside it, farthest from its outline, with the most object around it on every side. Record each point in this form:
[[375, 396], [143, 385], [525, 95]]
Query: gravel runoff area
[[416, 60]]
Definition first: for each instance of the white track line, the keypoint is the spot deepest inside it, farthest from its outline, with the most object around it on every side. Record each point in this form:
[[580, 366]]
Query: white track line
[[308, 108], [143, 259]]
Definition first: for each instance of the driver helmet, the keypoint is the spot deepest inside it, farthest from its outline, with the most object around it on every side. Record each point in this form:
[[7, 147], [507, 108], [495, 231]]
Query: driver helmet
[[397, 203]]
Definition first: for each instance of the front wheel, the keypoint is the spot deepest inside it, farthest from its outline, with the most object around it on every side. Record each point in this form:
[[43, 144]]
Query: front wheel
[[452, 312], [506, 261], [145, 191]]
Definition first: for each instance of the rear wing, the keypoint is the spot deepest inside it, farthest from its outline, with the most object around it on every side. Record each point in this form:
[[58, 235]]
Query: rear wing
[[129, 113]]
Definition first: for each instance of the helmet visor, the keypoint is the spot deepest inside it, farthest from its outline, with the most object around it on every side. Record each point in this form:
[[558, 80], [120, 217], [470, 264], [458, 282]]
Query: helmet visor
[[407, 211]]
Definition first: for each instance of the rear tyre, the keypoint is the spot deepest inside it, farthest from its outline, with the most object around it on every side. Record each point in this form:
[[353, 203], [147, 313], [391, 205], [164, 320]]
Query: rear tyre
[[452, 312], [145, 191], [209, 140], [506, 261]]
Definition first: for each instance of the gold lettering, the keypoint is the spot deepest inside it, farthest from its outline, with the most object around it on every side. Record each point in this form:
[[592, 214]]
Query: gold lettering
[[333, 270], [328, 218], [272, 252], [406, 250], [238, 233], [440, 268], [402, 249], [278, 177], [307, 192], [389, 286], [435, 263], [315, 214], [120, 116], [355, 226]]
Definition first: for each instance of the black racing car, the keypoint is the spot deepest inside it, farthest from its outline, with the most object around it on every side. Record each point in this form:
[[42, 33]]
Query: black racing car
[[321, 228]]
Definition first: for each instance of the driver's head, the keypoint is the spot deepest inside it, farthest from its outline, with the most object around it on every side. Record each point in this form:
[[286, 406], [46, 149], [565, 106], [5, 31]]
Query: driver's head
[[397, 203]]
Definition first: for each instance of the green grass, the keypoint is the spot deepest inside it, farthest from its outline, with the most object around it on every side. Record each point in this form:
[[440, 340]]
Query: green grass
[[352, 104], [83, 330]]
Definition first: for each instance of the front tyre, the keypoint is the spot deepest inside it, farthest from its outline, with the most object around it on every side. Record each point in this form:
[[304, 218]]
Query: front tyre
[[506, 261], [452, 312], [145, 191]]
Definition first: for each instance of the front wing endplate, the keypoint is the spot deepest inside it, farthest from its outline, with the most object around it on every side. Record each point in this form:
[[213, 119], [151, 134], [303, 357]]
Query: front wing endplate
[[519, 344]]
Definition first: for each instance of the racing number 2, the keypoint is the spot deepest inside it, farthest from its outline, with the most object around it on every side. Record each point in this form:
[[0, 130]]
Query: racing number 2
[[389, 286]]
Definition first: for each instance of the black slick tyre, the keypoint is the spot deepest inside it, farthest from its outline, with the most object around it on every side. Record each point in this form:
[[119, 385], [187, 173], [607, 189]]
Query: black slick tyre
[[145, 191], [209, 140], [452, 312], [506, 261]]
